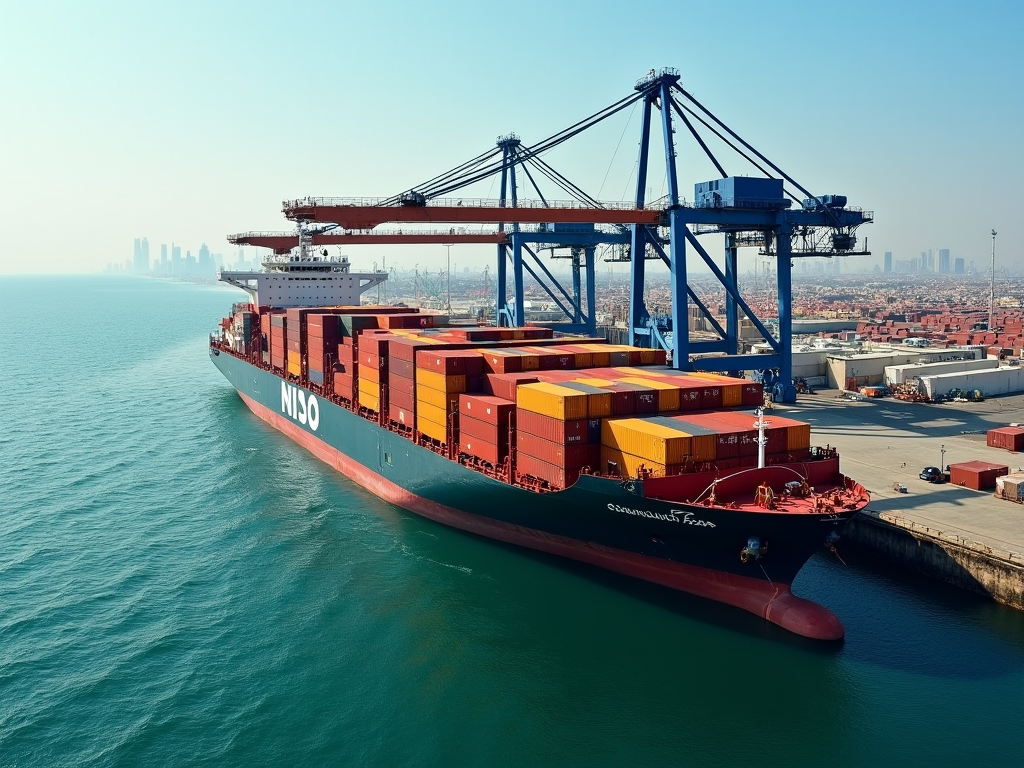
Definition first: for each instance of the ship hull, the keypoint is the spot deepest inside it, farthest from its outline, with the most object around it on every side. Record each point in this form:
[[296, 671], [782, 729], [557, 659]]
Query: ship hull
[[600, 521]]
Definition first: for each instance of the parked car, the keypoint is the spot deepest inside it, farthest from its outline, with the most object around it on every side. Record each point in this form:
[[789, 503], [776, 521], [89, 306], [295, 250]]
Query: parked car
[[931, 474]]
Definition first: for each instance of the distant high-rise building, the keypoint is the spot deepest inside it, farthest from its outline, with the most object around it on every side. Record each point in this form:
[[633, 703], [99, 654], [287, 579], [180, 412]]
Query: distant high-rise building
[[164, 263], [888, 262], [140, 257], [958, 266], [944, 261], [176, 260]]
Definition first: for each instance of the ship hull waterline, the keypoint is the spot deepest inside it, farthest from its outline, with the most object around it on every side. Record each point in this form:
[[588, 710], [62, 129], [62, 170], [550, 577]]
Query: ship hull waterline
[[758, 590]]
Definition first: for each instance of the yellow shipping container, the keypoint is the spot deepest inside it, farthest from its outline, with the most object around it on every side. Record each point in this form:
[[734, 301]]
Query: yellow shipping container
[[367, 387], [431, 429], [367, 400], [627, 464], [448, 401], [654, 442], [552, 400], [798, 437], [599, 401], [440, 382], [294, 368], [601, 357], [668, 394], [432, 413]]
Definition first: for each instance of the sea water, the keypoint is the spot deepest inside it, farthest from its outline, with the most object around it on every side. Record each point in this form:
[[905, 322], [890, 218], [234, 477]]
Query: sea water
[[181, 585]]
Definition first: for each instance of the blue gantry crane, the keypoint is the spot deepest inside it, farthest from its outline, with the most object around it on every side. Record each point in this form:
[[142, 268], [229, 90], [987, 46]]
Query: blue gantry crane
[[745, 210]]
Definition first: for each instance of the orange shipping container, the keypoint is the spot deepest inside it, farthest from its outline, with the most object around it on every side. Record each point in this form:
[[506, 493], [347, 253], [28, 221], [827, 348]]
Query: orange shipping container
[[440, 382], [449, 401], [627, 466], [552, 400], [647, 439]]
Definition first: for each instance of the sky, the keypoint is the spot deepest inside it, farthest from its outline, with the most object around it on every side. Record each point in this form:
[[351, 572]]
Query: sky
[[187, 121]]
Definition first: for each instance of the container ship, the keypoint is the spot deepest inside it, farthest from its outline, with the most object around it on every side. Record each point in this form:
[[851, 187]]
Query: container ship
[[562, 443]]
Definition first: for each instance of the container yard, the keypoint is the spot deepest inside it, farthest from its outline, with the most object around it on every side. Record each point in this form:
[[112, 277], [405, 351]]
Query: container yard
[[967, 532]]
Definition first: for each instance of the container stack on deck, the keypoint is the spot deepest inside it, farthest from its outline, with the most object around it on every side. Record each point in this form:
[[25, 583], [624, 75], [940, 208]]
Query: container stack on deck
[[519, 402]]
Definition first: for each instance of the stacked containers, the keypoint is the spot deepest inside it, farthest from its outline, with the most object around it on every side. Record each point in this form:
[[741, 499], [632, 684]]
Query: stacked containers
[[278, 343], [295, 333], [372, 371], [484, 427], [655, 443], [322, 337], [441, 376], [551, 421]]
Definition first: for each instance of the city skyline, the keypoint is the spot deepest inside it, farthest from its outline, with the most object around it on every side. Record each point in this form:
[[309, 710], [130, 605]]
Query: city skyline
[[900, 137]]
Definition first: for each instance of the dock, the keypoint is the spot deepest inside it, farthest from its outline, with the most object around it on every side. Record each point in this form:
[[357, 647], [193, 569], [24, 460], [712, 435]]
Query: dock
[[966, 538]]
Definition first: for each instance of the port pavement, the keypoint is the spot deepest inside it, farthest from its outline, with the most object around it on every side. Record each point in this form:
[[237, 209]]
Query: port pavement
[[964, 537]]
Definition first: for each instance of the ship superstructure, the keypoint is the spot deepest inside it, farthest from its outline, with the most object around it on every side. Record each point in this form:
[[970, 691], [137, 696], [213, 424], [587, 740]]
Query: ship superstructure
[[306, 276]]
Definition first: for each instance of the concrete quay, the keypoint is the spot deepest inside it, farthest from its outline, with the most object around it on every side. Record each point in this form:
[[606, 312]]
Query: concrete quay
[[966, 538]]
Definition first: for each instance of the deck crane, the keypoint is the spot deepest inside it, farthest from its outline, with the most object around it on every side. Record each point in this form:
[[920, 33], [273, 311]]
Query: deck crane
[[745, 210]]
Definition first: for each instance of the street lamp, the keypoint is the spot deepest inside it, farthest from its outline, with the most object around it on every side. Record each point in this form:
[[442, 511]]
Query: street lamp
[[942, 459], [449, 248]]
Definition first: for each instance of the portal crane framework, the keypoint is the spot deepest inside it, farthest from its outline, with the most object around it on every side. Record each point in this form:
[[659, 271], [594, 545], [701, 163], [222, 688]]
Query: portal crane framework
[[747, 211]]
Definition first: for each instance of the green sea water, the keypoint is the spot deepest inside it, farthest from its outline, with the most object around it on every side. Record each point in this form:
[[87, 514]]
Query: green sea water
[[181, 585]]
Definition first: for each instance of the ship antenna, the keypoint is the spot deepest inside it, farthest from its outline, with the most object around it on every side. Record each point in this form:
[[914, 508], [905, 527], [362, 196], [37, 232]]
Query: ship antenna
[[762, 439]]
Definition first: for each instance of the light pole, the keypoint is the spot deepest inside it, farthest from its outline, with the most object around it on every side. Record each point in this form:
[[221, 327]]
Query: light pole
[[449, 249], [942, 458], [992, 284]]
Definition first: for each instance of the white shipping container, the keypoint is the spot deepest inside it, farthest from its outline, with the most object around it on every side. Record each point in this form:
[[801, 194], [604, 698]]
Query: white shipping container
[[999, 381], [898, 374]]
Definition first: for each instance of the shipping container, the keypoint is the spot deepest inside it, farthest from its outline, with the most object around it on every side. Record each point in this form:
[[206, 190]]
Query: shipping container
[[449, 401], [401, 415], [440, 382], [564, 431], [504, 385], [1007, 438], [492, 410], [552, 400], [432, 429], [466, 362], [558, 477], [599, 401], [572, 456], [1011, 487], [978, 475], [656, 442]]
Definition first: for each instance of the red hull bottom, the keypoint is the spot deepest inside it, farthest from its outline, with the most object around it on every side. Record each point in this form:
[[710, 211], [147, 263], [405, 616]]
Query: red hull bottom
[[775, 603]]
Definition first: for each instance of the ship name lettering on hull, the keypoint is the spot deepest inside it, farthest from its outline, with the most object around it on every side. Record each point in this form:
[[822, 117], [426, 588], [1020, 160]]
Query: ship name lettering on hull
[[672, 516], [295, 403]]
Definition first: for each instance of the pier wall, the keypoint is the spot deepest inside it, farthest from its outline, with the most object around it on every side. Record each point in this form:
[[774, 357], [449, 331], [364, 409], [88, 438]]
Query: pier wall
[[947, 557]]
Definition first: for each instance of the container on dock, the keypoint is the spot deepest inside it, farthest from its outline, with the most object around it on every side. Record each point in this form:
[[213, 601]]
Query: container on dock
[[1011, 487], [1008, 438], [978, 475]]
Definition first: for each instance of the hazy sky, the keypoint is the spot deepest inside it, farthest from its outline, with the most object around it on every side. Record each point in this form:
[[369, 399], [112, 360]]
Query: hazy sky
[[187, 121]]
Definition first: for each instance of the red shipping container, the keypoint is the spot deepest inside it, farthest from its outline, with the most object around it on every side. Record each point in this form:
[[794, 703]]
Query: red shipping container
[[492, 410], [405, 399], [504, 385], [401, 348], [753, 393], [401, 414], [493, 433], [573, 456], [1008, 438], [507, 361], [401, 384], [979, 475], [558, 431], [404, 368], [371, 360], [451, 362], [343, 385]]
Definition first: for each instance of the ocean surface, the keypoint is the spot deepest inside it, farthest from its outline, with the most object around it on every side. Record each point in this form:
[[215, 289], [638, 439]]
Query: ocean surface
[[180, 585]]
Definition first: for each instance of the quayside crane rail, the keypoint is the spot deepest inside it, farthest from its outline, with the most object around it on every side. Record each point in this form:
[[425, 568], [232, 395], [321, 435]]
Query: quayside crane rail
[[747, 211]]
